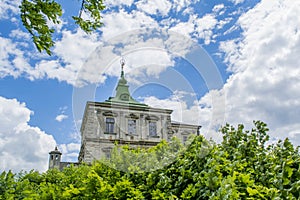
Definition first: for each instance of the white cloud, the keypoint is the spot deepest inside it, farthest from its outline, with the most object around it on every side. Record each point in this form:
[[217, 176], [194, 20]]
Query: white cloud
[[14, 61], [223, 22], [153, 63], [8, 7], [75, 47], [117, 23], [158, 7], [7, 49], [147, 53], [22, 147], [265, 64], [176, 102], [19, 34], [265, 79], [56, 26], [204, 27], [110, 3], [69, 151], [179, 5], [72, 50], [61, 117], [200, 28], [79, 46], [138, 60], [207, 112], [171, 103], [237, 1], [185, 28], [218, 8]]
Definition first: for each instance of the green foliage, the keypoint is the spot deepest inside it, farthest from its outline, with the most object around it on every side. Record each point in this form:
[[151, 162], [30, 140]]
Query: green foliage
[[92, 8], [35, 15], [7, 183], [243, 166], [140, 160]]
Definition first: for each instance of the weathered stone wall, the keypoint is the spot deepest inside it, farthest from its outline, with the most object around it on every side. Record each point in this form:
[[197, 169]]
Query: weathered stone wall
[[97, 143]]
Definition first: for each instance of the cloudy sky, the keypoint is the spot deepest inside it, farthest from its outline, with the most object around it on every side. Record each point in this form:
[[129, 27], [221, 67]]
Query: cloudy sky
[[212, 62]]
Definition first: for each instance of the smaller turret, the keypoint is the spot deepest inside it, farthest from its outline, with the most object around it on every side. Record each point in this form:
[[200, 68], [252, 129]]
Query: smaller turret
[[54, 159]]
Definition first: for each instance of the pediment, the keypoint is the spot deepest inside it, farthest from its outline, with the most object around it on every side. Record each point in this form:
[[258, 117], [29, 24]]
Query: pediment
[[133, 116], [152, 117], [110, 114]]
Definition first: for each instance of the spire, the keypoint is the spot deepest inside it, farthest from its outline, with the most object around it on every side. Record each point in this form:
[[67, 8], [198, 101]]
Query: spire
[[122, 62], [122, 81], [122, 92]]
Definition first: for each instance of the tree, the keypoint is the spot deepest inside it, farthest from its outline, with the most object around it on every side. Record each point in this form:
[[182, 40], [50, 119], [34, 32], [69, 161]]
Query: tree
[[243, 166], [35, 15]]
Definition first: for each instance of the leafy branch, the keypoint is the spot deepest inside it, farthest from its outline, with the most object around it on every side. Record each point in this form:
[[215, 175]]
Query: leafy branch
[[35, 15]]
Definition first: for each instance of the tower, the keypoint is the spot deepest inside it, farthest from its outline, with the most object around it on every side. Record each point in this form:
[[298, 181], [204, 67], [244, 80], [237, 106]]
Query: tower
[[123, 120], [54, 159]]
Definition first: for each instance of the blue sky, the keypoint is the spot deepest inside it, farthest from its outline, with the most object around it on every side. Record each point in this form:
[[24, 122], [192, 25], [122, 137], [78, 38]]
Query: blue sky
[[212, 62]]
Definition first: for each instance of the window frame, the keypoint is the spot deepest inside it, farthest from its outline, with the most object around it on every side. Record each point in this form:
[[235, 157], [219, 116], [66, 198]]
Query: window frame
[[110, 125], [184, 138], [135, 126], [150, 126]]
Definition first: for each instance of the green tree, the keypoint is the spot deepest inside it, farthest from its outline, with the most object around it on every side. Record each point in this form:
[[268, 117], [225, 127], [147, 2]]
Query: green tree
[[35, 15], [7, 185], [242, 166]]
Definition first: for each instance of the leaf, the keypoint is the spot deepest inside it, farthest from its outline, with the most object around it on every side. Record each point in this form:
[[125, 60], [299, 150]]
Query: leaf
[[251, 191], [34, 16]]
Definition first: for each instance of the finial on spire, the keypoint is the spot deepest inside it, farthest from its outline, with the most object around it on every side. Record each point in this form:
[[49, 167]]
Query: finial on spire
[[122, 62]]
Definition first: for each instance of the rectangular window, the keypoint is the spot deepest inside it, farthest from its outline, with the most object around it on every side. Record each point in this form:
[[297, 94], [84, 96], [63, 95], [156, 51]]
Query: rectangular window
[[110, 123], [107, 155], [152, 129], [184, 139], [132, 126]]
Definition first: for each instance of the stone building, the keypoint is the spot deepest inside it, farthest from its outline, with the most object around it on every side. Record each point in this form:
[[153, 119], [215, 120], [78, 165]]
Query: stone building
[[123, 120]]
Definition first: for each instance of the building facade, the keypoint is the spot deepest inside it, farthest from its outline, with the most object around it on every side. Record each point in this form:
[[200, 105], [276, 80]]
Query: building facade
[[123, 120]]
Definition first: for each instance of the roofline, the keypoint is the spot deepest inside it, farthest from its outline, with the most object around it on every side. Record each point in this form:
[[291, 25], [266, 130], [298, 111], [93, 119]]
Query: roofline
[[184, 124], [137, 107], [129, 106]]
